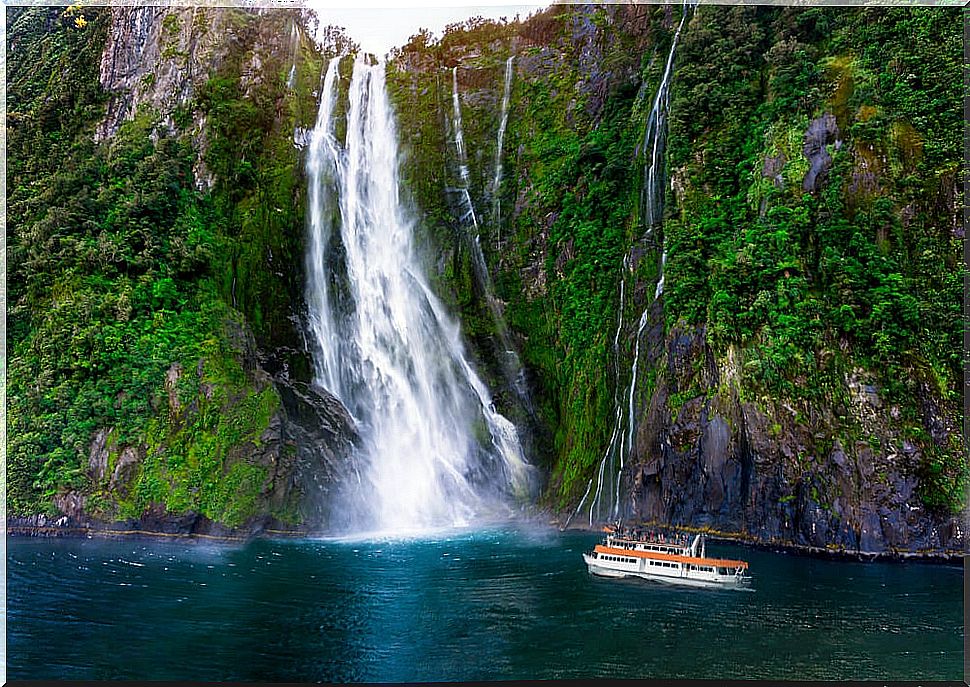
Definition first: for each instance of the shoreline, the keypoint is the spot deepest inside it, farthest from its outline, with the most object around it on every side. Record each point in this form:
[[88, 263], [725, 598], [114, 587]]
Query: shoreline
[[40, 527], [934, 556], [17, 527]]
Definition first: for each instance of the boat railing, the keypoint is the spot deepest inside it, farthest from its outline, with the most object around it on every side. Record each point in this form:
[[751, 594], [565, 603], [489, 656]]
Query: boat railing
[[623, 537]]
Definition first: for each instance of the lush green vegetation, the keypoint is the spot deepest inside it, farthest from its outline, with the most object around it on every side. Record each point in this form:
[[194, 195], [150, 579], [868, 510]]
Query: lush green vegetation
[[865, 270], [122, 272], [859, 274], [570, 192], [138, 297]]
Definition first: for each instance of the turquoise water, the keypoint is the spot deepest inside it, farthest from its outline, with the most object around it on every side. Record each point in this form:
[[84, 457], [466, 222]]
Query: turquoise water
[[496, 604]]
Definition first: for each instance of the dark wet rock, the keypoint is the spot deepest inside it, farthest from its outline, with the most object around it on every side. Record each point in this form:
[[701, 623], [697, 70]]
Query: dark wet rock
[[157, 519], [309, 447], [71, 504], [821, 132], [764, 470], [98, 455], [772, 169], [126, 468]]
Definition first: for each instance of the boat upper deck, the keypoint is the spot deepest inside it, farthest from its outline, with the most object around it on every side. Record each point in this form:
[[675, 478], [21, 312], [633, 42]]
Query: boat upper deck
[[640, 543], [676, 558]]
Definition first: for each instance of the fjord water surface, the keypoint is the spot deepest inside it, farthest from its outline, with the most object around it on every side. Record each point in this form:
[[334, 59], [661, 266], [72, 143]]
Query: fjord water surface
[[494, 604]]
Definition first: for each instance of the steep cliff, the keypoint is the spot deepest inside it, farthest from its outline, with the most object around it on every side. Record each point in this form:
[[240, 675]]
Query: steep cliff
[[787, 332], [708, 259], [157, 373]]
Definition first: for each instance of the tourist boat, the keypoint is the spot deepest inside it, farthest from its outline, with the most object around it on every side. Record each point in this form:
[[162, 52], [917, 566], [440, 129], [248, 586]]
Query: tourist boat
[[676, 559]]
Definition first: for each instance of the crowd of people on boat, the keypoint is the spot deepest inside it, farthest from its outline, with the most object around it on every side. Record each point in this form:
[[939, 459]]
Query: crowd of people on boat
[[651, 536]]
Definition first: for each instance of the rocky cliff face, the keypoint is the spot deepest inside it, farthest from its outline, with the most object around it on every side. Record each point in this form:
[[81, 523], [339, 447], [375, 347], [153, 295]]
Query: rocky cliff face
[[213, 426], [775, 358], [782, 392], [157, 58], [771, 469]]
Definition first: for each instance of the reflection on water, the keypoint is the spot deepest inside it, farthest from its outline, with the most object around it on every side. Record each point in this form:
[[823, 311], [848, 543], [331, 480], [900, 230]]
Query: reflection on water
[[496, 604]]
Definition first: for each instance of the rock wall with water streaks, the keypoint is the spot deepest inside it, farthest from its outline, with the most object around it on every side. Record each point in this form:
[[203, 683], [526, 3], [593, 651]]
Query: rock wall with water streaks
[[795, 379], [785, 389]]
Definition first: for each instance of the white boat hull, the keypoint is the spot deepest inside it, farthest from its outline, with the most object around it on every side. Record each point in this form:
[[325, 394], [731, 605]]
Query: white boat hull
[[683, 578]]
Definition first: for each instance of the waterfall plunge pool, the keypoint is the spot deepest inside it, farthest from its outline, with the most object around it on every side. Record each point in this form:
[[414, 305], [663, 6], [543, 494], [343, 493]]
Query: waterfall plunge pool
[[501, 603]]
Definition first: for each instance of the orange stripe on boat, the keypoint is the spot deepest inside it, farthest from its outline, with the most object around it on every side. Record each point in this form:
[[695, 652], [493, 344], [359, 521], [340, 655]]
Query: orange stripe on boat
[[714, 562]]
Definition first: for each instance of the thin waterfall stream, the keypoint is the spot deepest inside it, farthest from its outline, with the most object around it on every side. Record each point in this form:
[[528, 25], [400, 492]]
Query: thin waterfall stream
[[654, 145], [655, 139], [295, 43], [436, 452], [503, 123], [462, 158], [511, 365]]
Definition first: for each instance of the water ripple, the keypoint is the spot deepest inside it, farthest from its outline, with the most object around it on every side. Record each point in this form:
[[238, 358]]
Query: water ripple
[[499, 604]]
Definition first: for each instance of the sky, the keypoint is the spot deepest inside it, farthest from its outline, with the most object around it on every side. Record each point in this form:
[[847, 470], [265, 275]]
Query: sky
[[378, 28]]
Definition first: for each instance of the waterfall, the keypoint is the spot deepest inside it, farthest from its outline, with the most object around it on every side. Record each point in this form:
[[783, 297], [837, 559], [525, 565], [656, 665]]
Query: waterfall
[[295, 38], [473, 242], [435, 452], [497, 179], [652, 201], [660, 282], [323, 159], [511, 365], [655, 139], [611, 449], [460, 146]]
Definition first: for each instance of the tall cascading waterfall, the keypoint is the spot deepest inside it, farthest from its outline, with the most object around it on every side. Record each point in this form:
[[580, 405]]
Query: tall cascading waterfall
[[654, 145], [474, 242], [435, 452], [511, 365]]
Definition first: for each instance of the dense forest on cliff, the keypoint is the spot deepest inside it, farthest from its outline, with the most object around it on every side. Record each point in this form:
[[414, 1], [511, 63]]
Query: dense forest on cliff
[[143, 271], [777, 355]]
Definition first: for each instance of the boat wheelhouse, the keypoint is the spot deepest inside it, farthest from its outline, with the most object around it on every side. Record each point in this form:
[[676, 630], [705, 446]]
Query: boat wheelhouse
[[677, 559]]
